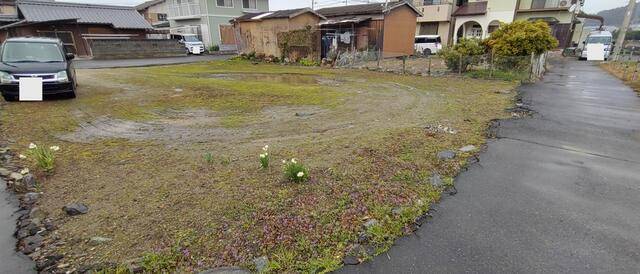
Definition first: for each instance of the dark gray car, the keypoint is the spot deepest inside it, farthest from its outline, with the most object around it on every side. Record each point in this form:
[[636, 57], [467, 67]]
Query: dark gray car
[[36, 57]]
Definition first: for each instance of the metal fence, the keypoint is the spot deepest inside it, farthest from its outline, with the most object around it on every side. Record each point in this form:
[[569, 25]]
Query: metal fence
[[489, 66]]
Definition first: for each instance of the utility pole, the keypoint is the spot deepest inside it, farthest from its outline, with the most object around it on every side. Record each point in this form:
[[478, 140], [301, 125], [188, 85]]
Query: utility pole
[[631, 8]]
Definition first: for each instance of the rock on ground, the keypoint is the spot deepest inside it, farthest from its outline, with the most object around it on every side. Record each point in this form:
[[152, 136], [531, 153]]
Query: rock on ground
[[468, 148], [446, 155], [75, 209]]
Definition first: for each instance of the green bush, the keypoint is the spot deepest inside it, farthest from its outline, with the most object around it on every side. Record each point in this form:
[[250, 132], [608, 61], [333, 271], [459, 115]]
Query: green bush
[[522, 38], [295, 172], [465, 53], [42, 155], [214, 48], [308, 62], [264, 157]]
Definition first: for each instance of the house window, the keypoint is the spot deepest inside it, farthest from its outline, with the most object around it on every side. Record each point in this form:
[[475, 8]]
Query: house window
[[224, 3], [249, 4], [545, 4], [430, 28], [432, 2], [162, 17]]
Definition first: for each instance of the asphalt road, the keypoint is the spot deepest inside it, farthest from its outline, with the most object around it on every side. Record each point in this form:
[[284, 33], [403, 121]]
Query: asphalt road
[[559, 192], [124, 63]]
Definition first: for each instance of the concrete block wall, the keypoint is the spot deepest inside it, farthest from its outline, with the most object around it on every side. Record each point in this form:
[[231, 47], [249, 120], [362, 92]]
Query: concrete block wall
[[132, 49]]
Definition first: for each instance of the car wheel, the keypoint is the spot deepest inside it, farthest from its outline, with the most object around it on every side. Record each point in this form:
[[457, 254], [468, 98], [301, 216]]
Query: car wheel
[[427, 52], [10, 98], [71, 95]]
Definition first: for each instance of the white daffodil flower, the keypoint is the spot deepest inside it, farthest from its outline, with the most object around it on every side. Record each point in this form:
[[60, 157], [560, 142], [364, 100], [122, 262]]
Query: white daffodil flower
[[266, 154], [263, 156], [22, 156], [300, 174], [24, 171], [32, 146], [265, 148], [54, 148], [284, 161], [293, 160]]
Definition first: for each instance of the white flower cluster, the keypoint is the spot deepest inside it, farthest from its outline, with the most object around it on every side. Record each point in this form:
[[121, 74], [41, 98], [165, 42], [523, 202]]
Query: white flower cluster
[[265, 154], [34, 146]]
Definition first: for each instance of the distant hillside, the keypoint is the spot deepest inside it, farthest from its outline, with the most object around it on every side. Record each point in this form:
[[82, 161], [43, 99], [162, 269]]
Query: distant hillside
[[614, 17]]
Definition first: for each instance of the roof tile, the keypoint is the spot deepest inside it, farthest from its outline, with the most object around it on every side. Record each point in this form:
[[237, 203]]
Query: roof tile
[[119, 17]]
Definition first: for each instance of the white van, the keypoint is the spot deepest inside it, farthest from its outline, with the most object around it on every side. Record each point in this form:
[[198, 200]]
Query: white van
[[598, 37], [428, 44], [191, 43]]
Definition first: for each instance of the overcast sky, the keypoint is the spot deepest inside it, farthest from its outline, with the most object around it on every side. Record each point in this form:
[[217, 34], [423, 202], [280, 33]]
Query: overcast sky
[[591, 6]]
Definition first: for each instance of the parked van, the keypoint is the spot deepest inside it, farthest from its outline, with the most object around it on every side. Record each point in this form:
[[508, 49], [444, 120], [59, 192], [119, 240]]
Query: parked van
[[428, 44], [191, 43], [598, 37]]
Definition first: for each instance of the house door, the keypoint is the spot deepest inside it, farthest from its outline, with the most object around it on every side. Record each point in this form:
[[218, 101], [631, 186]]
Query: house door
[[562, 32], [227, 36]]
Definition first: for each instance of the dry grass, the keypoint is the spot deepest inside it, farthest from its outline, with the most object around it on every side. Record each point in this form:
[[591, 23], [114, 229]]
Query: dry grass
[[134, 139], [624, 71]]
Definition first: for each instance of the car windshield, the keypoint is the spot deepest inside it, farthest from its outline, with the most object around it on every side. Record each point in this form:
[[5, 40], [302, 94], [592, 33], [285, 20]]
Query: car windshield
[[599, 40], [423, 40], [15, 52], [191, 39]]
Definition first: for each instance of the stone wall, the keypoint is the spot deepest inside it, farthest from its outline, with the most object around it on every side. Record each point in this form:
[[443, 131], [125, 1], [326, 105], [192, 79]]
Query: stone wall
[[130, 49]]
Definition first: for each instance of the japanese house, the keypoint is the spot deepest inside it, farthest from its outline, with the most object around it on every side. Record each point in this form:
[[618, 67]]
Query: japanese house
[[75, 24], [388, 28], [258, 32]]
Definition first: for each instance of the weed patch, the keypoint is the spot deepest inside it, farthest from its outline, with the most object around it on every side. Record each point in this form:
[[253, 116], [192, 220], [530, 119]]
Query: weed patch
[[186, 204]]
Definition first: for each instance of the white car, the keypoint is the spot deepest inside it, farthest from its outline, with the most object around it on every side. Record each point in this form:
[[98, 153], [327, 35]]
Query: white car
[[428, 44], [598, 37], [191, 43]]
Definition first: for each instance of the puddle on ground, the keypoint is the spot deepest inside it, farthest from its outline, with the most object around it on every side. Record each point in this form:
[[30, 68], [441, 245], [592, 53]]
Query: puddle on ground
[[288, 78], [172, 126]]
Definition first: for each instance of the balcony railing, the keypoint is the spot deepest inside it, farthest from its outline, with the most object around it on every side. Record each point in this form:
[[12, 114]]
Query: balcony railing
[[184, 10], [548, 4]]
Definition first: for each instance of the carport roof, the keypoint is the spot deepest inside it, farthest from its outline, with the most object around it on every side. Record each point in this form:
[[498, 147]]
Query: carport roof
[[118, 17], [471, 8], [256, 16], [364, 9]]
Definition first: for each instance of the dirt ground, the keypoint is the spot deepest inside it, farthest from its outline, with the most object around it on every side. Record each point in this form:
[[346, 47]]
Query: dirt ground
[[133, 148]]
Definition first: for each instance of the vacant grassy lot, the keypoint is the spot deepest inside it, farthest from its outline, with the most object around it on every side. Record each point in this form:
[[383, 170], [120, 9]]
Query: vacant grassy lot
[[167, 160]]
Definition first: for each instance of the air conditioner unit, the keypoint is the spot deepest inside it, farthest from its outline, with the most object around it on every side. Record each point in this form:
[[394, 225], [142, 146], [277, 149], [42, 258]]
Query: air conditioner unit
[[564, 4]]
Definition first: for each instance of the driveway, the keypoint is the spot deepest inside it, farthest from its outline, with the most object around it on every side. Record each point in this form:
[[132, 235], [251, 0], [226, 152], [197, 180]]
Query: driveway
[[558, 192], [124, 63]]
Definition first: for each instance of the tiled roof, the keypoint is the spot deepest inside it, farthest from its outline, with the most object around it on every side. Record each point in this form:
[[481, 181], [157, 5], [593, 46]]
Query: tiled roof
[[363, 9], [117, 16], [471, 8]]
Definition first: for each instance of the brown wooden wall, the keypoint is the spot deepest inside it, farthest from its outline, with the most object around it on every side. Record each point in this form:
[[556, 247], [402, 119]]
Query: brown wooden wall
[[562, 32], [262, 36], [399, 32]]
